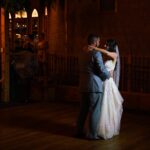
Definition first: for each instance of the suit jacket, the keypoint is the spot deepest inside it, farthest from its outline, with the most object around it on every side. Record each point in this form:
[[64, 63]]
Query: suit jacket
[[92, 71]]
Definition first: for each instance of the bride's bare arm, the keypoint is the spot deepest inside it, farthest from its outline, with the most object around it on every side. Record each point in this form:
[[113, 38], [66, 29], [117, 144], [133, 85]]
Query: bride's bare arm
[[113, 55]]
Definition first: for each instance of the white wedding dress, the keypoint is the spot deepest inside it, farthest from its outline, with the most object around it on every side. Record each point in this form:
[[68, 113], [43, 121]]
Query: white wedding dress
[[111, 108]]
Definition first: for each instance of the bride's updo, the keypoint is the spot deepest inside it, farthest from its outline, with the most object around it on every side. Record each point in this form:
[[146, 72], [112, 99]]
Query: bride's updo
[[111, 45]]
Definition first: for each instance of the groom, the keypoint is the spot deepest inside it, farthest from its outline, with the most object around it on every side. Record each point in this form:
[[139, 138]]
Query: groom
[[92, 75]]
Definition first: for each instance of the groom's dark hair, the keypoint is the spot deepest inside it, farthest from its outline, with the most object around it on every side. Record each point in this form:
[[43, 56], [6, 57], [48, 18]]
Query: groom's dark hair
[[92, 38]]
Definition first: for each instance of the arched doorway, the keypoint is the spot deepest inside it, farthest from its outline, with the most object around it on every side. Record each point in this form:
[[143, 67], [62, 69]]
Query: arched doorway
[[20, 27], [35, 22]]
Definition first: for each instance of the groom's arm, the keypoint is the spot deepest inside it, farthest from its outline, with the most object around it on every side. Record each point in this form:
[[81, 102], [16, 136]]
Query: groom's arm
[[103, 73]]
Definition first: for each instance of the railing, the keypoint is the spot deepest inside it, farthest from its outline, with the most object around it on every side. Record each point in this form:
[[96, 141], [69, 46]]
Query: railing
[[63, 70], [135, 72]]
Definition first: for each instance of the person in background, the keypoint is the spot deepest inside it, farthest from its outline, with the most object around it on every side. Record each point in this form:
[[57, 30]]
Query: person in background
[[42, 50]]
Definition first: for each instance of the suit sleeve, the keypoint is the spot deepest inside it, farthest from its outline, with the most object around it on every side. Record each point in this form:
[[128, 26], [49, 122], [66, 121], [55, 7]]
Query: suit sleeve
[[103, 73]]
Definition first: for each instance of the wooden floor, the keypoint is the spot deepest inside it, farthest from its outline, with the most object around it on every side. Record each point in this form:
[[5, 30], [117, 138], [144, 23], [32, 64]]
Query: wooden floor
[[51, 126]]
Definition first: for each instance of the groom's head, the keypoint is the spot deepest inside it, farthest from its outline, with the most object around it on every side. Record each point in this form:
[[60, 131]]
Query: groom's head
[[98, 41], [92, 39]]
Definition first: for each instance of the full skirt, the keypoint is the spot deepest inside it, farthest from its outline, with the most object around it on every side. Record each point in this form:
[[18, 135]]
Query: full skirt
[[111, 111]]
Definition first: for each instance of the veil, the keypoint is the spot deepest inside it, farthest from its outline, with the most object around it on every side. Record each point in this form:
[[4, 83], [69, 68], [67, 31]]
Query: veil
[[117, 68]]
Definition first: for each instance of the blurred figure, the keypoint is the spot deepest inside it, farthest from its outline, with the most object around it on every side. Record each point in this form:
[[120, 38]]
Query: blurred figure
[[42, 48], [23, 68], [29, 43]]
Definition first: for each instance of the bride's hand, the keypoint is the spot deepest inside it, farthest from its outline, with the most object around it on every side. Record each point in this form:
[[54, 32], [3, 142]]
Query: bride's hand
[[112, 55]]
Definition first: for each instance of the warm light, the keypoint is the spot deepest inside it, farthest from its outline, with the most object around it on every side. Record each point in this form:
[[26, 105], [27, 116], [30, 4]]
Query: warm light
[[46, 12], [18, 14], [21, 14], [2, 26], [18, 36], [34, 13], [24, 14], [17, 25], [9, 16]]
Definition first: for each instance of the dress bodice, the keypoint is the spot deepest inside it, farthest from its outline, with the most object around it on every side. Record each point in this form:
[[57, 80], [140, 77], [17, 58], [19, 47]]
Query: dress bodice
[[110, 64]]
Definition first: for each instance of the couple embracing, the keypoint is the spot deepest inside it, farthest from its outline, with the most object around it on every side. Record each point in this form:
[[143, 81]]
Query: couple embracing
[[100, 97]]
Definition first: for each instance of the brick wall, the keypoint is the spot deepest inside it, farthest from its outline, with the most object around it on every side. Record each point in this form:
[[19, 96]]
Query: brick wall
[[53, 24], [129, 24], [56, 28]]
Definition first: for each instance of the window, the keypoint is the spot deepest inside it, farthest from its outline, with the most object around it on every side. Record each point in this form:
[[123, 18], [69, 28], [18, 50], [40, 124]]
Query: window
[[35, 13], [20, 23], [21, 14], [35, 21], [46, 11], [10, 16]]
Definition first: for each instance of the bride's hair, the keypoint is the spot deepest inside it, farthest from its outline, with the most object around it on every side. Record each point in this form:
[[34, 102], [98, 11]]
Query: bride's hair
[[111, 45]]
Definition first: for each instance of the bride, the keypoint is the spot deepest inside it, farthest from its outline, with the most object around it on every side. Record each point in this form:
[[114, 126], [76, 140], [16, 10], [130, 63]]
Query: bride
[[111, 108]]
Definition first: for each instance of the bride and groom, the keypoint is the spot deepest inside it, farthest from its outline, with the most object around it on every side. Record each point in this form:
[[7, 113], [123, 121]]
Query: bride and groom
[[100, 97]]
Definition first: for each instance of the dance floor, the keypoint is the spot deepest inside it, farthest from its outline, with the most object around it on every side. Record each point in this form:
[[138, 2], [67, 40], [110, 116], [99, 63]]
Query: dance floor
[[51, 126]]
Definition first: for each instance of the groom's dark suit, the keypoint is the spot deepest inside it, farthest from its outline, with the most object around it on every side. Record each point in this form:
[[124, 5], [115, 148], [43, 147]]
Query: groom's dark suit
[[92, 75]]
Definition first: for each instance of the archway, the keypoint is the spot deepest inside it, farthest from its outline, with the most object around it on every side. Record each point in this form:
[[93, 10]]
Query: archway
[[35, 21]]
